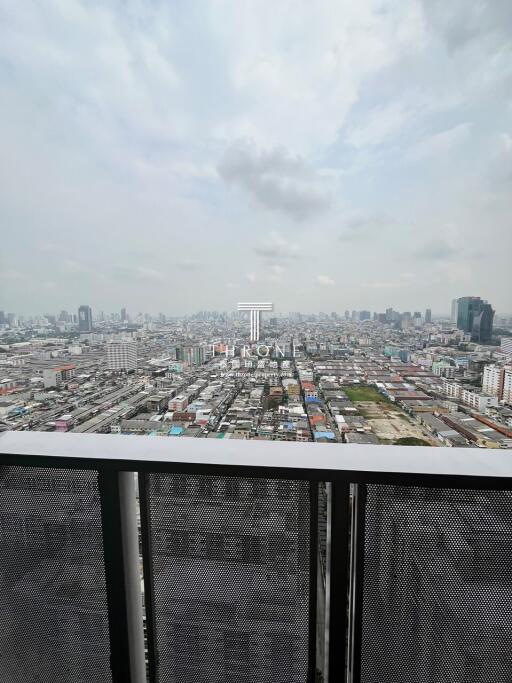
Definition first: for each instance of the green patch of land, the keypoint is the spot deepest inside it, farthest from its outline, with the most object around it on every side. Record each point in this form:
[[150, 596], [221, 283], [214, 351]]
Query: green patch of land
[[411, 441], [364, 394]]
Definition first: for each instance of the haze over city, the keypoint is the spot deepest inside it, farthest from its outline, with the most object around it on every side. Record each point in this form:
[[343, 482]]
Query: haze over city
[[178, 156], [255, 341]]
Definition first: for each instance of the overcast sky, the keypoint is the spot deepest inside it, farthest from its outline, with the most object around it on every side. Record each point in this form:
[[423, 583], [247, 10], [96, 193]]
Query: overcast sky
[[177, 156]]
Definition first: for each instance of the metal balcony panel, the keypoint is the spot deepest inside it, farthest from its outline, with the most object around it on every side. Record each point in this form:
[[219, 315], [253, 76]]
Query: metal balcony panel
[[53, 601], [231, 578], [436, 586]]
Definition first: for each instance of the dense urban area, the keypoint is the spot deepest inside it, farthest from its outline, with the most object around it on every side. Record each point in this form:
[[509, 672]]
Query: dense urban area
[[353, 377]]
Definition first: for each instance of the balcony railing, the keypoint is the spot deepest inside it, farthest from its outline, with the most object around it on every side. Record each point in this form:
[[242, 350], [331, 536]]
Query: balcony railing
[[262, 562]]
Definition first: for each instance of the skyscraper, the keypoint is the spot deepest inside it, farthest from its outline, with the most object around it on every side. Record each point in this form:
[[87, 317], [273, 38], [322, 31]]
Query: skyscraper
[[428, 316], [85, 319], [482, 324], [124, 316], [454, 311], [475, 317]]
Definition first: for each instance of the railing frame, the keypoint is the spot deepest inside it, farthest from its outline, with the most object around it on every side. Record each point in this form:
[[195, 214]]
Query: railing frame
[[341, 465]]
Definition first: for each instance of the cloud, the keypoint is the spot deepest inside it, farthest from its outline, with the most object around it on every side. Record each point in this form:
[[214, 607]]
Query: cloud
[[364, 225], [324, 280], [439, 144], [275, 179], [273, 273], [372, 125], [460, 23], [437, 250], [188, 265], [140, 274], [276, 247], [378, 125]]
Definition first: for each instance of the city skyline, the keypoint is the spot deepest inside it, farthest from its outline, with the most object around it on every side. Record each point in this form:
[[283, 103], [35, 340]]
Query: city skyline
[[335, 156], [126, 314]]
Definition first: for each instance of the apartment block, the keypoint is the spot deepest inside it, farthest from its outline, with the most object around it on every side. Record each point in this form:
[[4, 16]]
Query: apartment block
[[492, 382], [122, 356]]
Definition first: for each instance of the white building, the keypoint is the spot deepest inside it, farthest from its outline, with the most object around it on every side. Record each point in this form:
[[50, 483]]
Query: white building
[[507, 386], [443, 369], [506, 346], [54, 377], [453, 390], [477, 401], [122, 355], [492, 382]]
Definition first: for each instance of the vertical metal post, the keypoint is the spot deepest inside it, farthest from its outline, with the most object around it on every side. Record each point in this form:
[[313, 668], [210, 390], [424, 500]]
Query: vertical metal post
[[147, 563], [108, 485], [357, 580], [338, 579], [132, 575], [328, 490], [313, 580]]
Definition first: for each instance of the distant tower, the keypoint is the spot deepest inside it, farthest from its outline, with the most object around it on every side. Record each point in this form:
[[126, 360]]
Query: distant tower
[[428, 316], [85, 319], [124, 316], [255, 310], [455, 308], [475, 317]]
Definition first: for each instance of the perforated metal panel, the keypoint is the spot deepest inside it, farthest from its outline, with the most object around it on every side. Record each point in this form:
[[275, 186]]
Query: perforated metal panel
[[437, 596], [53, 606], [230, 559]]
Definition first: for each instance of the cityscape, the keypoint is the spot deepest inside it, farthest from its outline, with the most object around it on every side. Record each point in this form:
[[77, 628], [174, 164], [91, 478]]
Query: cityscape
[[255, 341], [365, 377]]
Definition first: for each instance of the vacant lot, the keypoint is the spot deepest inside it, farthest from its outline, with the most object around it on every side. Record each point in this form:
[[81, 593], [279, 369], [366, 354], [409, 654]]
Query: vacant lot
[[364, 394], [388, 422]]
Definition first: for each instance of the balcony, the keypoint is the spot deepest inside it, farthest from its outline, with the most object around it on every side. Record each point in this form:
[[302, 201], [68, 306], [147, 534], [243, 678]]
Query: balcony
[[252, 562]]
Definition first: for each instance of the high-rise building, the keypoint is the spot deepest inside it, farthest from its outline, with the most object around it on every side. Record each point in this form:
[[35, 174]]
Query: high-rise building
[[194, 355], [122, 355], [497, 381], [85, 319], [124, 316], [475, 317], [492, 381], [454, 314], [507, 386], [428, 316], [506, 346]]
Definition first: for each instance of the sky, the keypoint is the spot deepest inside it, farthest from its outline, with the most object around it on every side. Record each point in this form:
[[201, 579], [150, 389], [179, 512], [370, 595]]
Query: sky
[[179, 156]]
